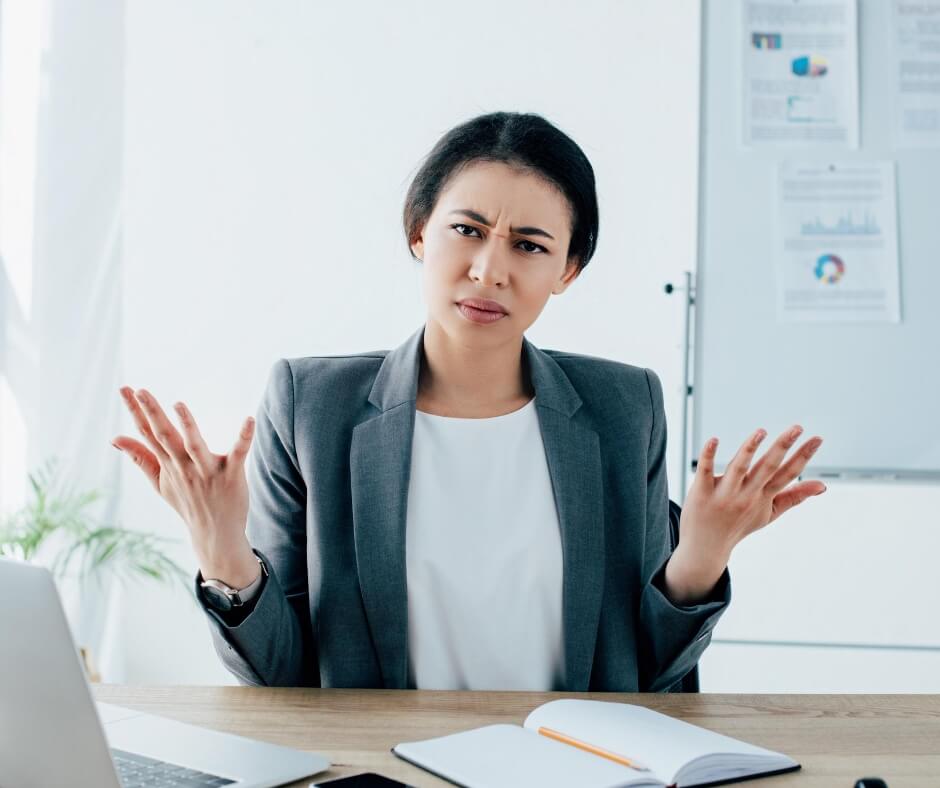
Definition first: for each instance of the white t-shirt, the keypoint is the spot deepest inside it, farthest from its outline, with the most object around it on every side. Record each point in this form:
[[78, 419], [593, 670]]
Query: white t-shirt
[[483, 556]]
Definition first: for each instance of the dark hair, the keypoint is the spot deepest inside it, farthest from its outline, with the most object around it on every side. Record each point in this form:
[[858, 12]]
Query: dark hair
[[526, 140]]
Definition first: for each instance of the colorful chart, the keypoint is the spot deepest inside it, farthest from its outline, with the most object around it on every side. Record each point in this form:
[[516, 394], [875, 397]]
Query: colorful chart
[[766, 40], [829, 268], [810, 66]]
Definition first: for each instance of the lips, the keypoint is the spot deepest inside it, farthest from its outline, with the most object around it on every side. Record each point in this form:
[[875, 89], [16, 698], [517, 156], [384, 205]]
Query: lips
[[485, 304]]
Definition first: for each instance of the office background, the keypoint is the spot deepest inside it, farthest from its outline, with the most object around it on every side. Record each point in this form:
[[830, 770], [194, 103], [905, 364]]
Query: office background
[[857, 367], [864, 585], [193, 190]]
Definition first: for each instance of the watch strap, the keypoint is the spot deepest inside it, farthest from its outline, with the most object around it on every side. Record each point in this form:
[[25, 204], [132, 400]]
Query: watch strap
[[245, 595], [250, 591]]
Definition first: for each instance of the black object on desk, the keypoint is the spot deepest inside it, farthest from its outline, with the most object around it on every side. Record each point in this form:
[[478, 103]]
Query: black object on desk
[[365, 780]]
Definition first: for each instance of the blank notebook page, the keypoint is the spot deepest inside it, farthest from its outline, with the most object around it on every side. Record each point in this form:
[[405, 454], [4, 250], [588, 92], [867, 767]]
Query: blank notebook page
[[507, 756], [662, 743]]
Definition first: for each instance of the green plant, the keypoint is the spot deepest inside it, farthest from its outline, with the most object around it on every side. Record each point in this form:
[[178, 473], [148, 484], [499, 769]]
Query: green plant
[[62, 515]]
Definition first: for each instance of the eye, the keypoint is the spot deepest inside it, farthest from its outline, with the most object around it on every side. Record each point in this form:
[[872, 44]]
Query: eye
[[465, 227], [536, 247], [529, 246]]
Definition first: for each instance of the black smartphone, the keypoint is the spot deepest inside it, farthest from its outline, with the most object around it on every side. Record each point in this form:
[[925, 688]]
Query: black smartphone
[[364, 780]]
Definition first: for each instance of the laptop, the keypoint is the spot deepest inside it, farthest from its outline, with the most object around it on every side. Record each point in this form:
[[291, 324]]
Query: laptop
[[53, 733]]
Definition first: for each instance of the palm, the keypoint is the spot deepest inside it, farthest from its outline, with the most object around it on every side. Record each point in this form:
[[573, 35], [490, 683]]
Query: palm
[[724, 508], [206, 489]]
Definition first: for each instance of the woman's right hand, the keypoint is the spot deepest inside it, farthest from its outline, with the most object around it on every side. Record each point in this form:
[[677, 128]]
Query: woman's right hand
[[207, 490]]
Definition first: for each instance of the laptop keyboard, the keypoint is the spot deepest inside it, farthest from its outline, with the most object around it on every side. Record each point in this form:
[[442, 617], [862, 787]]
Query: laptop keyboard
[[137, 771]]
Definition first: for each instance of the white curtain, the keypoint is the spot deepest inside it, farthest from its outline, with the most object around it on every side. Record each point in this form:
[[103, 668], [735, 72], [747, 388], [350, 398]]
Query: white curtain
[[61, 102]]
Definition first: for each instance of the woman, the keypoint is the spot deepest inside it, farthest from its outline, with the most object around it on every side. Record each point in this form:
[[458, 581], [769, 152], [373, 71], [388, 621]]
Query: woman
[[466, 511]]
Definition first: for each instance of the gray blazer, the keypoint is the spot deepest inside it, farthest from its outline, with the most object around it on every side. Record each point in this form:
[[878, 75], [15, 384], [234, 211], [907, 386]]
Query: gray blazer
[[328, 483]]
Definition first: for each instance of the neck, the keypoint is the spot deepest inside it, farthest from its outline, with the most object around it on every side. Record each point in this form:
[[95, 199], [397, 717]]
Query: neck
[[457, 374]]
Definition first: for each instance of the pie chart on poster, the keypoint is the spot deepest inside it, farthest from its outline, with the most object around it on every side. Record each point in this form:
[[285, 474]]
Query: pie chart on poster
[[829, 268]]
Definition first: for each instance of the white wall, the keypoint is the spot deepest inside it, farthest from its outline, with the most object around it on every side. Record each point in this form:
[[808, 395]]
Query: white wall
[[856, 574]]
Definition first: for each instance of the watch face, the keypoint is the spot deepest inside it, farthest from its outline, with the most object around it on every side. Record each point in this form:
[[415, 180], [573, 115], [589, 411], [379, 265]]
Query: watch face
[[216, 598]]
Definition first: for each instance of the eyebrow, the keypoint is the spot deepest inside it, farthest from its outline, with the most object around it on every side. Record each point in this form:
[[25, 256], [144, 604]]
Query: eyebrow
[[478, 217]]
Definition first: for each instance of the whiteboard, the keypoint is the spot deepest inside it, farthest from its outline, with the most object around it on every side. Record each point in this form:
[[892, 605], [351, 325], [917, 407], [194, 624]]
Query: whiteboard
[[870, 390]]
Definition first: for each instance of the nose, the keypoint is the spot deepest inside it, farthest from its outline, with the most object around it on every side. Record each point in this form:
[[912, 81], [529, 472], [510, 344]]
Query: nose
[[489, 266]]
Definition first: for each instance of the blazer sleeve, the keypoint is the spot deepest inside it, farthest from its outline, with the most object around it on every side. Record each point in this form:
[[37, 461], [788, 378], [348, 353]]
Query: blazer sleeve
[[672, 637], [273, 645]]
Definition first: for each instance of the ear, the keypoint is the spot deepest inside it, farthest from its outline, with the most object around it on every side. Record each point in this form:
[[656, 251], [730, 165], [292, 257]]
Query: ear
[[417, 246], [572, 269]]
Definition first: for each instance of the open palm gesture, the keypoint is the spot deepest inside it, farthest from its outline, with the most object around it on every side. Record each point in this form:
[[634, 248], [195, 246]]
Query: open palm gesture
[[207, 490], [720, 510]]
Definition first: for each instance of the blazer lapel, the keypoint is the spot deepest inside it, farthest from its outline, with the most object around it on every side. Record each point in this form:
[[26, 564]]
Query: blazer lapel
[[380, 466], [572, 451]]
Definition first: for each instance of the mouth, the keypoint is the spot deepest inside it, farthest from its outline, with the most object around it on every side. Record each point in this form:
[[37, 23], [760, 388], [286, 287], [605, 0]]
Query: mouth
[[479, 316], [483, 305]]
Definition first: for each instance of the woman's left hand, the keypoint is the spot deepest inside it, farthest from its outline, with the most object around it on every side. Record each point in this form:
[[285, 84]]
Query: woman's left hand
[[719, 511]]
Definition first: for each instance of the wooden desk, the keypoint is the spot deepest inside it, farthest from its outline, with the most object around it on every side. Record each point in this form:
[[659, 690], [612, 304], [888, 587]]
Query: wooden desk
[[837, 738]]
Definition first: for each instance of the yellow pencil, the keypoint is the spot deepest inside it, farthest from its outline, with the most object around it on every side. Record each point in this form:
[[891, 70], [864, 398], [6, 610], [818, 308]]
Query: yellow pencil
[[621, 759]]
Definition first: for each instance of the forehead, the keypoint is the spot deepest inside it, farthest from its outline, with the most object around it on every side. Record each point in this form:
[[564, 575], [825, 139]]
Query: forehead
[[499, 190]]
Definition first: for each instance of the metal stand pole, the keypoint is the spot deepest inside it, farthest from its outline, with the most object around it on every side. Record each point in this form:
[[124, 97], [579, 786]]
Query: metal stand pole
[[689, 290]]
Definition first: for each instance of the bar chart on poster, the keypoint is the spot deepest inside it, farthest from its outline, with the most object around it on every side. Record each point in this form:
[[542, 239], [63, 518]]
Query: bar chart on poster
[[819, 233]]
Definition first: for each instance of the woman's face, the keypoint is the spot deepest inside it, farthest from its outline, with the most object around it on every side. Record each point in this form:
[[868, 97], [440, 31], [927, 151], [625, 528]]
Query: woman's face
[[500, 233]]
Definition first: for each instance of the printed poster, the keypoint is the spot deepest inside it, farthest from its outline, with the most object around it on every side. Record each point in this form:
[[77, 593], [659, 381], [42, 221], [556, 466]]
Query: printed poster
[[800, 73], [836, 243]]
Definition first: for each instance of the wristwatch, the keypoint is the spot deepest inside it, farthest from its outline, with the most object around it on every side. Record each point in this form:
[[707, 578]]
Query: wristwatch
[[223, 597]]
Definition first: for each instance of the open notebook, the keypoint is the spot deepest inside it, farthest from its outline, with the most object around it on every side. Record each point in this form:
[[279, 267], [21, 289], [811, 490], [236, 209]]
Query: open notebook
[[673, 752]]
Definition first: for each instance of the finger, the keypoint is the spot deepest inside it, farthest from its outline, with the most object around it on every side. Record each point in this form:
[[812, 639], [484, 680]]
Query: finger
[[143, 425], [795, 495], [163, 429], [793, 467], [194, 442], [242, 443], [765, 467], [706, 461], [742, 459], [141, 456]]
